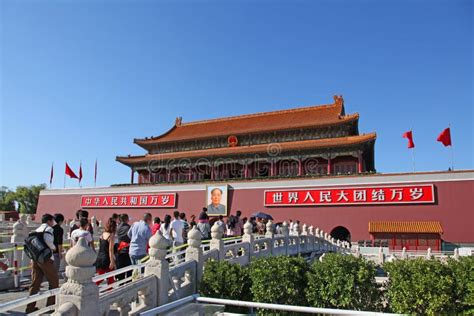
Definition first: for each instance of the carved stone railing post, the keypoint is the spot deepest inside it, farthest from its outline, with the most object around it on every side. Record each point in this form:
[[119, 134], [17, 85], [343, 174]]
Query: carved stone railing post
[[357, 252], [194, 252], [94, 223], [249, 237], [270, 234], [296, 233], [428, 254], [65, 228], [404, 253], [311, 239], [79, 290], [20, 232], [29, 220], [217, 232], [159, 266], [381, 256], [285, 232], [456, 254]]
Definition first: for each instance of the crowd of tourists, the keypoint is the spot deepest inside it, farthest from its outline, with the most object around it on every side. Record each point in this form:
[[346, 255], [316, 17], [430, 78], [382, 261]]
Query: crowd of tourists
[[121, 243]]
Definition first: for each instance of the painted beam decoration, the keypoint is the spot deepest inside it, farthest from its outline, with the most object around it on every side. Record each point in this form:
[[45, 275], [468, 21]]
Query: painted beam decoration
[[410, 194], [152, 200]]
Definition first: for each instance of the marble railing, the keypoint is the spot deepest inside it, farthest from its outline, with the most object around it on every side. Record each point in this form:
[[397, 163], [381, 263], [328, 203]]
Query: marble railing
[[170, 277], [167, 277]]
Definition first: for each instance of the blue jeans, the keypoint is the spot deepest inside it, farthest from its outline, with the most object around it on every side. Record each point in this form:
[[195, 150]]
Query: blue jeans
[[136, 258]]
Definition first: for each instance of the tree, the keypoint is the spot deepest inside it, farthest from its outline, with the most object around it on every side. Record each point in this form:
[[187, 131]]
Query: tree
[[27, 197], [6, 200]]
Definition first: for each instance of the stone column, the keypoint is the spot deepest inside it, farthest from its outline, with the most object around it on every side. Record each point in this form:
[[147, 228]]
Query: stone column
[[29, 220], [249, 237], [79, 290], [270, 234], [217, 231], [159, 266], [20, 232], [194, 252], [285, 232], [94, 223], [404, 253], [381, 256], [296, 233]]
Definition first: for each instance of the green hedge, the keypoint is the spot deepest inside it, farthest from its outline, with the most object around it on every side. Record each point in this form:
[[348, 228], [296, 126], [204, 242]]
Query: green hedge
[[463, 275], [224, 280], [420, 287], [341, 281], [345, 282], [279, 280]]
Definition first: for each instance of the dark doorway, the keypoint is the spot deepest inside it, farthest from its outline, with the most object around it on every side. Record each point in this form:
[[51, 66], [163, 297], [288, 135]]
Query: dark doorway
[[341, 233]]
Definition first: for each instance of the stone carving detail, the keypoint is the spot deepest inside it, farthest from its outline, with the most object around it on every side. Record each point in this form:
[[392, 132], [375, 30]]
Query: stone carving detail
[[79, 290]]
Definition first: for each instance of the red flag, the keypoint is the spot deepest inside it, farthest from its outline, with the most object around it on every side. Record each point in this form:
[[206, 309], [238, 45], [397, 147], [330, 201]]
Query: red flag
[[80, 172], [95, 172], [409, 135], [445, 137], [70, 173], [51, 174]]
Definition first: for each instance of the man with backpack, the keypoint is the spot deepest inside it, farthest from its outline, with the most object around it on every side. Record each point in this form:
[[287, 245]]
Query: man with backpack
[[40, 246]]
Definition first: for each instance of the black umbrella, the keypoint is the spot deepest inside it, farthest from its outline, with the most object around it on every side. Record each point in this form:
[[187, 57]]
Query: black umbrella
[[262, 215]]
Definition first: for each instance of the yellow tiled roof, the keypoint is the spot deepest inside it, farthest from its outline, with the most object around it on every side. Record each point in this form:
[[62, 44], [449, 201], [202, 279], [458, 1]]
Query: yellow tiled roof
[[405, 227]]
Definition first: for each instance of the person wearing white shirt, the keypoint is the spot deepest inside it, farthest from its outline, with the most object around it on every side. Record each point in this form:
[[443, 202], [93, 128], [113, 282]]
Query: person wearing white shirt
[[165, 227], [82, 231], [177, 229]]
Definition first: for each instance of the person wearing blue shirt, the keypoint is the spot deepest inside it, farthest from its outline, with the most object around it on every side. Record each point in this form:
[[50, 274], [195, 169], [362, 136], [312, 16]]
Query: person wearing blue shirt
[[139, 234]]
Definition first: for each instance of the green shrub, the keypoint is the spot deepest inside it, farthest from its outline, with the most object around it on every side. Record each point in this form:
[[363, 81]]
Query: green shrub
[[224, 280], [420, 287], [278, 280], [342, 281], [463, 276]]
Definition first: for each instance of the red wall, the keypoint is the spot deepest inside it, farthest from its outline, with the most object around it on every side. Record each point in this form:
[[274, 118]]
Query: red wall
[[453, 208]]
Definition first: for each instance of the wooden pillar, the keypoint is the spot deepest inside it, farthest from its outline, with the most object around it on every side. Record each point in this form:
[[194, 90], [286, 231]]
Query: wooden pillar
[[132, 175], [246, 170], [168, 175], [300, 167], [272, 168], [190, 175], [149, 177], [359, 164], [329, 165]]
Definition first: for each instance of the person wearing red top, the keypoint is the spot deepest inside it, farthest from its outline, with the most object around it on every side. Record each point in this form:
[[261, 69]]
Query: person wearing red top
[[156, 225]]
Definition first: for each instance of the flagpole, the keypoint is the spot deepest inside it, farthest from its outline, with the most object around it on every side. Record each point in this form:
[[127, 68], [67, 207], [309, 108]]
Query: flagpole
[[95, 173], [80, 175], [64, 178], [413, 152], [451, 149], [50, 177]]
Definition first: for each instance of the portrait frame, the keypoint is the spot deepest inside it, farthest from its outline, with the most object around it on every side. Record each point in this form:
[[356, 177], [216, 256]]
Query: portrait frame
[[222, 207]]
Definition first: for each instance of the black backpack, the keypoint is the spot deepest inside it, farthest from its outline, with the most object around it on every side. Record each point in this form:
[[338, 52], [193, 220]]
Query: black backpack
[[36, 248]]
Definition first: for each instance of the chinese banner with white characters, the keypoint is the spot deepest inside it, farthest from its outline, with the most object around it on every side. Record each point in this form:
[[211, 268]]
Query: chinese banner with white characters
[[403, 194], [129, 200]]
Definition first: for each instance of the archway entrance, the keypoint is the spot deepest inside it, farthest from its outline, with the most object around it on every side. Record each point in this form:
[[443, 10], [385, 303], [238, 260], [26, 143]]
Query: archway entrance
[[341, 233]]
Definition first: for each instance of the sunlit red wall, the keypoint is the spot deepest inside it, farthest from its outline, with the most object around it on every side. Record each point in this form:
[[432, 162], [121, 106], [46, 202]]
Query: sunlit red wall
[[453, 207]]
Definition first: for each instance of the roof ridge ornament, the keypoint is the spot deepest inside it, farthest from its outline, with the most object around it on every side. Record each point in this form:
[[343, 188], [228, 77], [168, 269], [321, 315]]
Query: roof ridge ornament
[[338, 100], [178, 121]]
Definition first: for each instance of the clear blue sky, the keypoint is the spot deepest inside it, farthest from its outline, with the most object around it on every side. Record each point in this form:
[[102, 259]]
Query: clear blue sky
[[81, 79]]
